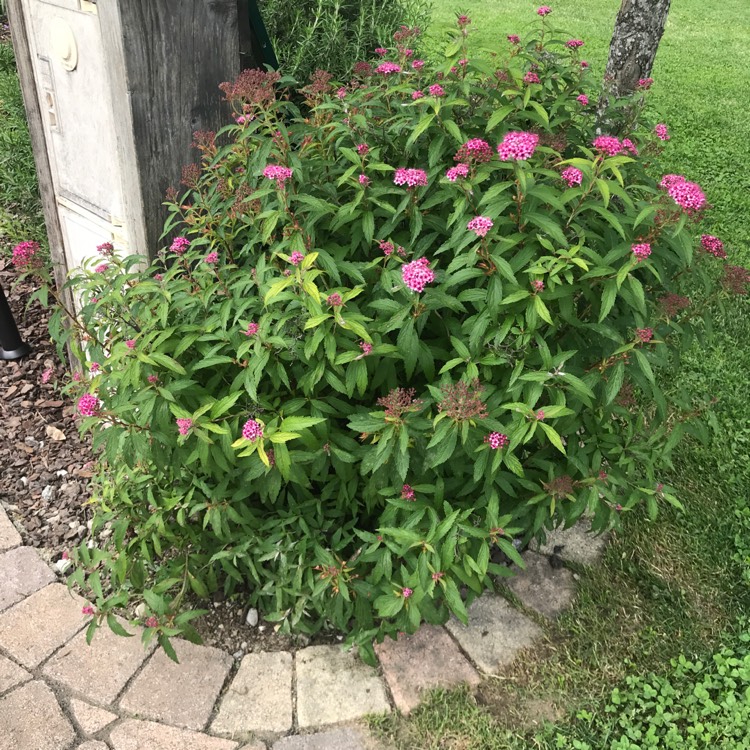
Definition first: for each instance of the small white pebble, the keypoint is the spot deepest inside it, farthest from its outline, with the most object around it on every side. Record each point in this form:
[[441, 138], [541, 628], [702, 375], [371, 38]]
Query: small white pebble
[[252, 617]]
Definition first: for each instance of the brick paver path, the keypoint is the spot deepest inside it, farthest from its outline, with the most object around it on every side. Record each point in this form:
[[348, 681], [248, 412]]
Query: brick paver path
[[58, 693]]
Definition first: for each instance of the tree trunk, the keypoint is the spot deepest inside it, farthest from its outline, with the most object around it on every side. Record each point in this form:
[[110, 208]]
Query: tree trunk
[[638, 31]]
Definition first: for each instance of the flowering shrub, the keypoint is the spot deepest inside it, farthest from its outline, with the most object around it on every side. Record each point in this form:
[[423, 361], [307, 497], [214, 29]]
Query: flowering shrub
[[347, 397]]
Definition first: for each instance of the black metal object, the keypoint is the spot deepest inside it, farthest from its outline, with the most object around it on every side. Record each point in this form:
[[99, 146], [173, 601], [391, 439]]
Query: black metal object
[[12, 345], [256, 50]]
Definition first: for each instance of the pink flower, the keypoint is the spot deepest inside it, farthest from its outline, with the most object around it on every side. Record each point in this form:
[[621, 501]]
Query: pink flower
[[341, 93], [531, 77], [387, 68], [475, 150], [296, 258], [212, 257], [278, 173], [463, 21], [463, 63], [76, 377], [480, 225], [641, 251], [687, 195], [25, 255], [184, 425], [179, 245], [437, 575], [364, 180], [460, 170], [661, 132], [130, 343], [644, 334], [545, 10], [436, 90], [406, 592], [95, 367], [363, 149], [538, 285], [407, 52], [514, 38], [645, 83], [418, 64], [158, 276], [88, 405], [418, 94], [106, 249], [584, 64], [252, 430], [417, 274], [386, 247], [407, 493], [252, 329], [366, 347], [583, 100], [334, 300], [572, 176], [101, 268], [381, 51], [574, 43], [540, 415], [517, 144], [496, 440], [152, 622], [46, 375], [153, 379], [608, 145], [628, 145], [713, 245], [87, 610], [410, 177]]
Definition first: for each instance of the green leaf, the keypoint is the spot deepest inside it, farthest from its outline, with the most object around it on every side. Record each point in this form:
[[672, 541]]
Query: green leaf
[[554, 438], [608, 299], [420, 127], [291, 424], [116, 628], [614, 383]]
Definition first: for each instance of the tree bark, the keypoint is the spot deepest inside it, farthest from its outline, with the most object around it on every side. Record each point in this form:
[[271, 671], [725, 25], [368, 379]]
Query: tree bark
[[638, 31]]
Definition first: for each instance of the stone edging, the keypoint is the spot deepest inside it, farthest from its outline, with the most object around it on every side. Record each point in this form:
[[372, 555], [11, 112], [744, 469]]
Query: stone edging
[[57, 693]]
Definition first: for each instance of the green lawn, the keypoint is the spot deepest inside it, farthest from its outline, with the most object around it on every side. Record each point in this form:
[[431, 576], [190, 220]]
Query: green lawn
[[679, 585]]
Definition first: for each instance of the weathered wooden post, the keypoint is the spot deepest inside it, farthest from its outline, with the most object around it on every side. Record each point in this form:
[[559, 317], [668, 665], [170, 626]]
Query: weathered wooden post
[[113, 91]]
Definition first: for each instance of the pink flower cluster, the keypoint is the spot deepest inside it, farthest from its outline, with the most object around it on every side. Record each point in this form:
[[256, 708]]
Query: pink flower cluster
[[184, 426], [518, 144], [381, 51], [608, 145], [544, 10], [278, 173], [497, 440], [645, 83], [364, 180], [410, 177], [661, 132], [341, 92], [685, 194], [388, 68], [87, 610], [480, 225], [641, 251], [366, 347], [363, 149], [406, 592], [25, 254], [212, 257], [179, 245], [538, 285], [252, 329], [531, 77], [713, 245], [334, 300], [436, 90], [106, 248], [88, 405], [574, 43], [460, 170], [572, 176], [407, 493], [47, 375], [644, 334], [583, 100], [475, 150], [418, 94], [95, 367], [101, 268], [417, 274], [418, 64], [130, 343], [252, 430], [514, 38], [296, 258]]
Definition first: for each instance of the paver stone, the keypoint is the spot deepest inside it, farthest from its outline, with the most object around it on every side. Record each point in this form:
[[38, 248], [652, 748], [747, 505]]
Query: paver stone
[[98, 671], [146, 735], [334, 686], [91, 719], [181, 694], [31, 719], [260, 697], [576, 544], [11, 674], [32, 629], [23, 573], [9, 537], [541, 587], [428, 659], [495, 634], [92, 745], [336, 739]]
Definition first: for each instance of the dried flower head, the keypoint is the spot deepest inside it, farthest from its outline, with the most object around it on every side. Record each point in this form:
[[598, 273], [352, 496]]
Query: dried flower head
[[462, 401], [398, 402]]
